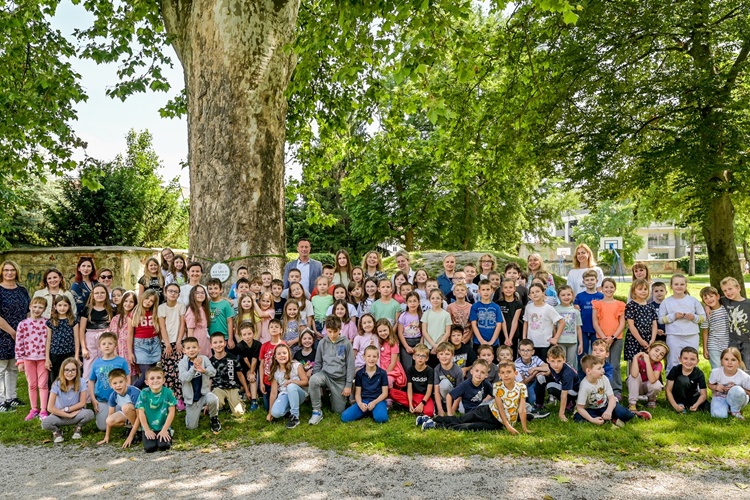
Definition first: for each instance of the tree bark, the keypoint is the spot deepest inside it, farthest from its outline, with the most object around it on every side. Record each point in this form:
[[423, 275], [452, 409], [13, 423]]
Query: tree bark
[[718, 230], [409, 240], [237, 69], [691, 270]]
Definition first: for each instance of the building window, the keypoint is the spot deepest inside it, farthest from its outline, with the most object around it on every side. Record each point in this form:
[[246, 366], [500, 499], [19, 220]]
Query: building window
[[660, 255], [659, 240]]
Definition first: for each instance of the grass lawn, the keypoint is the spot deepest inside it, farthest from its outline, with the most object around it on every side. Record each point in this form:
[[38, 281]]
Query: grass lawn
[[667, 440]]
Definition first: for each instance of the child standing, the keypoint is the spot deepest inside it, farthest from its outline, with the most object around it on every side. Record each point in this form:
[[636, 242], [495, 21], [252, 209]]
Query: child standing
[[277, 287], [419, 384], [681, 315], [540, 319], [172, 327], [645, 375], [340, 309], [248, 350], [156, 410], [436, 324], [122, 412], [389, 354], [371, 295], [686, 385], [198, 318], [334, 369], [31, 336], [463, 354], [67, 402], [609, 323], [94, 320], [583, 302], [486, 318], [730, 385], [512, 308], [321, 302], [292, 325], [715, 330], [222, 313], [99, 388], [571, 339], [152, 279], [196, 371], [642, 321], [62, 335], [287, 387], [371, 391], [409, 329], [143, 335], [306, 313], [367, 336], [120, 325], [460, 310], [596, 401], [266, 358], [658, 294], [738, 309], [386, 307], [225, 385]]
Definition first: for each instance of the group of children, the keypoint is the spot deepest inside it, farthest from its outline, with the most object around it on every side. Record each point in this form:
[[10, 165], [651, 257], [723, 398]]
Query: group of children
[[495, 352]]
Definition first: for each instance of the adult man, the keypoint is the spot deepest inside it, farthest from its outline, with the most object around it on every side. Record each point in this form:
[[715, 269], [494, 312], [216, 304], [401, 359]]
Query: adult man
[[445, 280], [402, 261], [309, 268]]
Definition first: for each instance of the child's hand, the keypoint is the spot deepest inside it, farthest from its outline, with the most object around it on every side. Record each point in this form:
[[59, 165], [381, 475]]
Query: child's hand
[[346, 392], [85, 353], [95, 405], [251, 377], [580, 349], [103, 441], [269, 417], [248, 395], [509, 342], [409, 350], [149, 433], [694, 408], [363, 406], [164, 435], [263, 389], [644, 344], [552, 341], [705, 354], [127, 442], [607, 415], [178, 347], [168, 349], [411, 408], [512, 431], [21, 368], [563, 418], [130, 356], [48, 364], [680, 408], [598, 421], [689, 316]]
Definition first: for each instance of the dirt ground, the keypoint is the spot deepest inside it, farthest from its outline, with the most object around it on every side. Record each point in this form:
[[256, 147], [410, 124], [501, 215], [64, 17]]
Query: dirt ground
[[274, 471]]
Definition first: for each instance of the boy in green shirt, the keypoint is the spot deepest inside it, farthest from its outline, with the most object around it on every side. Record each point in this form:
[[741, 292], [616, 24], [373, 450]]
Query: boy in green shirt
[[156, 410], [222, 313]]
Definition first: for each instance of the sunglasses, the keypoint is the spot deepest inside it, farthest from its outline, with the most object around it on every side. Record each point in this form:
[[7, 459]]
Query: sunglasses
[[105, 276]]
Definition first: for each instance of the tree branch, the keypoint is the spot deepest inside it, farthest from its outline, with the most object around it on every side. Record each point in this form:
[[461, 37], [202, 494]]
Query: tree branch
[[741, 58]]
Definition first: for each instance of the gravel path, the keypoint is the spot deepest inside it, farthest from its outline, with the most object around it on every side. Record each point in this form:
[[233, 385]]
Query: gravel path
[[274, 471]]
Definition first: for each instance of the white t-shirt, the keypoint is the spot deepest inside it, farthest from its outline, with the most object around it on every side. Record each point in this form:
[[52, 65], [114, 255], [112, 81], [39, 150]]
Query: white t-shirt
[[541, 323], [718, 376], [594, 395], [172, 317]]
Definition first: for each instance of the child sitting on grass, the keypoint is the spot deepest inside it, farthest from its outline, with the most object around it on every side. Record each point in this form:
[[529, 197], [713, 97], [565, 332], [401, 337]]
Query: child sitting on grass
[[195, 374], [370, 391], [156, 410], [473, 391], [447, 375], [686, 384], [507, 407], [122, 412], [561, 382], [645, 375], [596, 400], [419, 385]]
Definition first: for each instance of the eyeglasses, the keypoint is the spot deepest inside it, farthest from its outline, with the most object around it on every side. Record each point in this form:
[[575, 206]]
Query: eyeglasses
[[73, 370], [105, 276], [173, 291]]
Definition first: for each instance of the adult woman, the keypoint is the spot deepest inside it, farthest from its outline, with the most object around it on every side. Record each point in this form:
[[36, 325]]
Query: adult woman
[[342, 271], [106, 276], [373, 266], [535, 264], [583, 261], [52, 285], [84, 282], [403, 263], [166, 261], [14, 306], [486, 264]]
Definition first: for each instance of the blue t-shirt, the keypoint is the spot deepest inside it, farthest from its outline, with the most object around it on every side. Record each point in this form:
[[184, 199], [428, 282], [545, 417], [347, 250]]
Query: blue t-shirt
[[372, 387], [117, 401], [567, 378], [487, 317], [583, 301], [471, 395], [100, 369]]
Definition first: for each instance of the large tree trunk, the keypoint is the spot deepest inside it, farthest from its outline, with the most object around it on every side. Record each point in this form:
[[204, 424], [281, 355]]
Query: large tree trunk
[[691, 270], [237, 69], [718, 229]]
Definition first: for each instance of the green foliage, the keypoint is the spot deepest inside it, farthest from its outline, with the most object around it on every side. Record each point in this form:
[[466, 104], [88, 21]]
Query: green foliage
[[701, 264], [324, 258], [611, 219], [131, 208]]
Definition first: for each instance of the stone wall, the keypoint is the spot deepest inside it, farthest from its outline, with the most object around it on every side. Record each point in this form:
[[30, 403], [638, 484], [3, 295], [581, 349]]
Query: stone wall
[[127, 263]]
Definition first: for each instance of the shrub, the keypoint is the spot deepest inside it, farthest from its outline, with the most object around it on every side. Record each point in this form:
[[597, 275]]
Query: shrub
[[701, 264]]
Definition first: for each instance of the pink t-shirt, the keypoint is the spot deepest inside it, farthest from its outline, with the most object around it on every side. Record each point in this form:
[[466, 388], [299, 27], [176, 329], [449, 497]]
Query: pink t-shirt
[[657, 367], [460, 314], [200, 331], [31, 340], [359, 345]]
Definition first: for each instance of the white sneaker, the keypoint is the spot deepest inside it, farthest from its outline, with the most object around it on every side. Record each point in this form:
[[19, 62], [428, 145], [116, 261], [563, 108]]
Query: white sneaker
[[58, 435], [77, 433], [317, 416]]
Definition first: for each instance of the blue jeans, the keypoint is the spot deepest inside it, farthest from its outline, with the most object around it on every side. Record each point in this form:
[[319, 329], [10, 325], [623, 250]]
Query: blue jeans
[[735, 401], [588, 338], [354, 412], [531, 390], [288, 401], [619, 413], [147, 351]]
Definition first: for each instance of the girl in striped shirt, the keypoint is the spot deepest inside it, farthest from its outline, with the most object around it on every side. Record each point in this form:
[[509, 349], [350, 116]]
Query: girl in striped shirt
[[715, 330]]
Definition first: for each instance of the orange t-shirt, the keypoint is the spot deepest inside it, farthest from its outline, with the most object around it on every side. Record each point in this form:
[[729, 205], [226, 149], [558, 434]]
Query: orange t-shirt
[[608, 314]]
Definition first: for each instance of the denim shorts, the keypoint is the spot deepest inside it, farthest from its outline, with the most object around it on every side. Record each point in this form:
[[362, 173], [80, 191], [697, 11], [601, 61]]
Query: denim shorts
[[147, 351]]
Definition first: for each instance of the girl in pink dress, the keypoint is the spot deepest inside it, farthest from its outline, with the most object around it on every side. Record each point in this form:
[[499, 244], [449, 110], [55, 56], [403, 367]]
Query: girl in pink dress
[[198, 317], [119, 326], [389, 353]]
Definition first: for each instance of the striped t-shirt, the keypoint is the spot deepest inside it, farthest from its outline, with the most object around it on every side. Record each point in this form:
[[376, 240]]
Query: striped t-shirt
[[718, 329]]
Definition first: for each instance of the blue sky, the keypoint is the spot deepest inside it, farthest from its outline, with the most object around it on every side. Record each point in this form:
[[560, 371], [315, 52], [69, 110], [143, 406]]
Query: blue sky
[[103, 122]]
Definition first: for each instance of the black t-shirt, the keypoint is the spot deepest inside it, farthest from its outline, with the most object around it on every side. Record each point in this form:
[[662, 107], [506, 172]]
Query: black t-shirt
[[509, 310], [96, 320], [464, 356], [697, 378], [308, 362], [278, 308], [226, 372], [419, 380], [247, 353], [521, 291]]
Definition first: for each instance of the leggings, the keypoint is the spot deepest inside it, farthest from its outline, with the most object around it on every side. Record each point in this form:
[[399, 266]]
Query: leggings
[[37, 378]]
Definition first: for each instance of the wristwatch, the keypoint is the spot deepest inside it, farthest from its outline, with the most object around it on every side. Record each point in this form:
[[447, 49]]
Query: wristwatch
[[67, 409]]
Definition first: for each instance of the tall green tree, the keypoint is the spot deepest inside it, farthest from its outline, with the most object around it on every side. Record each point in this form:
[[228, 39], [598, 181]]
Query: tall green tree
[[643, 93], [611, 219], [131, 208]]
